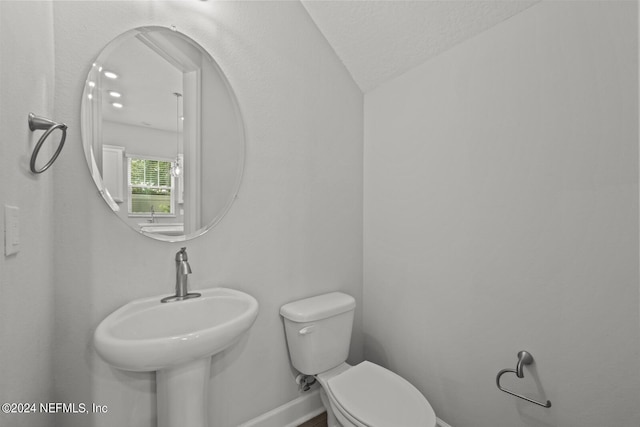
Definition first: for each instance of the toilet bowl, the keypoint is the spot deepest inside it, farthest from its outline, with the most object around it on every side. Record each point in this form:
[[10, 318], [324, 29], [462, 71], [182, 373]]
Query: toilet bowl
[[318, 331], [368, 395]]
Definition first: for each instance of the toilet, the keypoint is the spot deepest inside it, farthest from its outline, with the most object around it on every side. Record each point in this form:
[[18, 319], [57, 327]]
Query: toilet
[[318, 331]]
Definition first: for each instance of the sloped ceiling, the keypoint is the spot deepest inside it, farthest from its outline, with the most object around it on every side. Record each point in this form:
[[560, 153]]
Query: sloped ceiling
[[381, 39]]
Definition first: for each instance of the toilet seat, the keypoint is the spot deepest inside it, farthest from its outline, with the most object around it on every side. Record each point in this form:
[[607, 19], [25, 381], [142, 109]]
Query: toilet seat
[[373, 396]]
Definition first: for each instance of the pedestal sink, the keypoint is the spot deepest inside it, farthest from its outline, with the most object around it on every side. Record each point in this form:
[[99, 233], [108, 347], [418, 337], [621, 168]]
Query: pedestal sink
[[177, 340]]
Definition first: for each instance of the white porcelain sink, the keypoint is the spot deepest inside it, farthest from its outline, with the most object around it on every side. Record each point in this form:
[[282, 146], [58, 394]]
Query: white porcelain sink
[[147, 335], [176, 339], [168, 228]]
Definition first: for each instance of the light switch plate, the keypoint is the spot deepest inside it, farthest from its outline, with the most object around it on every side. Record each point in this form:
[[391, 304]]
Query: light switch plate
[[11, 230]]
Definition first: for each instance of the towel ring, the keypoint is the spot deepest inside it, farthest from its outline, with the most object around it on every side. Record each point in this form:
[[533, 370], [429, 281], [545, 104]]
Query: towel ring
[[524, 358], [42, 123]]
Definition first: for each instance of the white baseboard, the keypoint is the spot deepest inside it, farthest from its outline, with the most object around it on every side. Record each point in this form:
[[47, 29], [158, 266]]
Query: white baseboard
[[296, 412], [291, 414]]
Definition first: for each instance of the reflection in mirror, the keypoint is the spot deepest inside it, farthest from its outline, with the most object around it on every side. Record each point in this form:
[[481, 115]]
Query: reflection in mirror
[[162, 133]]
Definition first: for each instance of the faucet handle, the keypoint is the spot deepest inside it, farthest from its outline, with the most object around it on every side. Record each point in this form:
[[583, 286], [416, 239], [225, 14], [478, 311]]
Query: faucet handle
[[181, 255]]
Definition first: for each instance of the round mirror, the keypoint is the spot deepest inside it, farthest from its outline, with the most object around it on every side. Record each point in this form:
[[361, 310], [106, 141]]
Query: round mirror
[[162, 133]]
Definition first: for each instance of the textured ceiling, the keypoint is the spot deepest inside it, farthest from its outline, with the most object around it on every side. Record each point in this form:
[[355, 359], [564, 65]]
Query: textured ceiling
[[378, 40]]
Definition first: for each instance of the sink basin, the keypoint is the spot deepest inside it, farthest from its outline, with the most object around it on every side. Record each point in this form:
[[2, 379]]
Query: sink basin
[[147, 335], [169, 228]]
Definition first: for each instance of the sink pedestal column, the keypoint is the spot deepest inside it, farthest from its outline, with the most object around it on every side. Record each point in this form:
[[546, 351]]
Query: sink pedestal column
[[182, 392]]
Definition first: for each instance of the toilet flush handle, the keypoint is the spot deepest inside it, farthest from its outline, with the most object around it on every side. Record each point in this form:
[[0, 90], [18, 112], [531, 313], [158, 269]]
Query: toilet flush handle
[[306, 330]]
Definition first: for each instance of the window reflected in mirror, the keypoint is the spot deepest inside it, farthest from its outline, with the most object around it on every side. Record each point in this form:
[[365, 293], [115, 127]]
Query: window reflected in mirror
[[151, 187]]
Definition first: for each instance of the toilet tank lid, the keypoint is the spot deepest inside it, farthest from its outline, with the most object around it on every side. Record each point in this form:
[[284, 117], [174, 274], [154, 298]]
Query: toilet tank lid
[[318, 307]]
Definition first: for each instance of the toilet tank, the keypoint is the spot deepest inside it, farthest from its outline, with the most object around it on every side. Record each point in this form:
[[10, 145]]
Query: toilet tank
[[318, 331]]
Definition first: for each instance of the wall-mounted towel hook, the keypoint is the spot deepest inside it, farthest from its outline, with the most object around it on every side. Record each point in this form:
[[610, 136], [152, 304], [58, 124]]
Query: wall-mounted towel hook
[[524, 358], [42, 123]]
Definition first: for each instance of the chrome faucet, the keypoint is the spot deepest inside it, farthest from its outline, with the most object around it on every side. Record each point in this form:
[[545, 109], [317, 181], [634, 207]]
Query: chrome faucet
[[153, 216], [183, 269]]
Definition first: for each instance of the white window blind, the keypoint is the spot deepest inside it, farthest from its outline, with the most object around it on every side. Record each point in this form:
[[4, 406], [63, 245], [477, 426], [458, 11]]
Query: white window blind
[[150, 186]]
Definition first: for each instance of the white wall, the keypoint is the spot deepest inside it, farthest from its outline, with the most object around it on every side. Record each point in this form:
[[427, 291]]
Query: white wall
[[501, 214], [295, 230], [26, 279], [139, 139]]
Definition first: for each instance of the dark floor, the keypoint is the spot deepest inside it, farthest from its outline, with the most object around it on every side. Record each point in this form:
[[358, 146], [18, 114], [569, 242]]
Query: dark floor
[[319, 421]]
